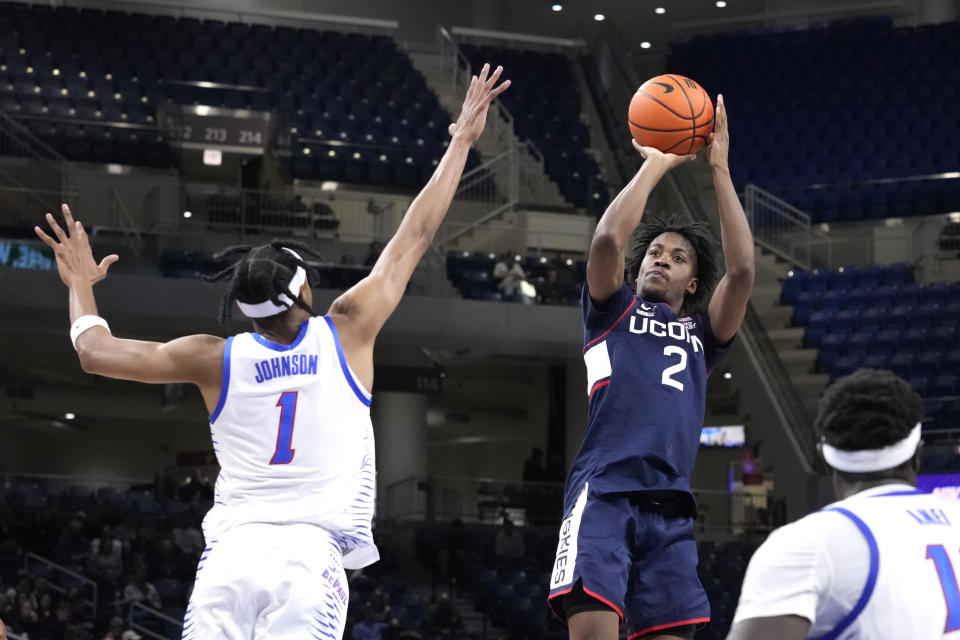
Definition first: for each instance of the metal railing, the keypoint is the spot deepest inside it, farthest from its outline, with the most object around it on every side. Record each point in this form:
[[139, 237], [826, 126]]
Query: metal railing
[[62, 580], [485, 192], [154, 624], [771, 374], [16, 140], [490, 501], [500, 129], [785, 230]]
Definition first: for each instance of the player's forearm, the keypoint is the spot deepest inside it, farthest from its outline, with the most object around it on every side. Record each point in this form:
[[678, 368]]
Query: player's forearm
[[735, 235], [82, 303], [625, 212], [431, 205]]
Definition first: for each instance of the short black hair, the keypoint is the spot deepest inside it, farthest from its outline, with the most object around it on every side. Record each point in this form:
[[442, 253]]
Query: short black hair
[[868, 409], [701, 238], [262, 273]]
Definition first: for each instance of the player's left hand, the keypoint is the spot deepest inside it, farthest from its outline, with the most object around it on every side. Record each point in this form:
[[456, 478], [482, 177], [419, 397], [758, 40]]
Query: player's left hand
[[473, 116], [719, 141], [3, 631], [75, 261]]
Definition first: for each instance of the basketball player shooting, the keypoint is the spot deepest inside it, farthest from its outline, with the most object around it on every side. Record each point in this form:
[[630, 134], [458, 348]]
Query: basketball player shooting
[[652, 333], [289, 410]]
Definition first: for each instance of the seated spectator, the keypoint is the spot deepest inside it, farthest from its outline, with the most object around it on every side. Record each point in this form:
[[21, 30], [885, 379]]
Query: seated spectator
[[73, 549], [106, 565], [27, 621], [533, 466], [368, 628], [139, 591], [442, 617], [509, 543], [187, 537], [509, 274], [378, 603]]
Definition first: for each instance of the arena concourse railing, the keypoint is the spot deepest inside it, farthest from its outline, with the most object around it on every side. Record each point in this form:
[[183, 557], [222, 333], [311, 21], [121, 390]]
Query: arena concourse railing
[[721, 513], [785, 230], [154, 624], [61, 579]]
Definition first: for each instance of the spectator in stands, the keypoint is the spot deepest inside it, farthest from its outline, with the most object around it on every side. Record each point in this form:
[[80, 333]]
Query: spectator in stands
[[533, 466], [107, 539], [368, 628], [105, 566], [509, 543], [378, 604], [26, 622], [73, 548], [450, 557], [187, 537], [139, 591], [373, 253], [442, 617], [511, 279]]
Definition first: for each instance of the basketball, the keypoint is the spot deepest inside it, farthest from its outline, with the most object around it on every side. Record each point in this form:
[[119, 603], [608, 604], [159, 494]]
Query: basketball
[[671, 113]]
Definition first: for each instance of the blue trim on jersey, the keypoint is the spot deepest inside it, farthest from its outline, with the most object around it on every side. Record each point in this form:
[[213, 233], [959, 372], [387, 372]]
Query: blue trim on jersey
[[283, 347], [871, 576], [911, 492], [225, 382], [361, 395]]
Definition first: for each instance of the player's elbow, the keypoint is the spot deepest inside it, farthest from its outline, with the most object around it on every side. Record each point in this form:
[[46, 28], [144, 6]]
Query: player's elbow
[[606, 242], [89, 362], [742, 273]]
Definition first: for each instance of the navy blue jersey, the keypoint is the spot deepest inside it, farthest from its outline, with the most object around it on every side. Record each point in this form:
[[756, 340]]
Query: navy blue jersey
[[647, 381]]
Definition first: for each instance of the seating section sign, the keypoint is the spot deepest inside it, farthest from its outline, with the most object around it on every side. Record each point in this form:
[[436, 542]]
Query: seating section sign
[[23, 255]]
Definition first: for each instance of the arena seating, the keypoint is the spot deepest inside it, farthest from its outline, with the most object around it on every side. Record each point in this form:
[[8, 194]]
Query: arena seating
[[558, 280], [90, 84], [545, 105], [836, 106], [878, 317]]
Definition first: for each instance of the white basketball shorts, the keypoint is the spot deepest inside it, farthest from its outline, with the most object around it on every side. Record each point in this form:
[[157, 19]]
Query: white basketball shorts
[[276, 581]]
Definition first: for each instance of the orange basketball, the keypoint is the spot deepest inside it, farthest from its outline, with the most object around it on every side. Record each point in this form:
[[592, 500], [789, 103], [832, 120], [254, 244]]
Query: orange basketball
[[671, 113]]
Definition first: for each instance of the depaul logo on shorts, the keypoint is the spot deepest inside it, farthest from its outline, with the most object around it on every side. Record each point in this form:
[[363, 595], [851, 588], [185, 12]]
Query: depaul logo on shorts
[[335, 585]]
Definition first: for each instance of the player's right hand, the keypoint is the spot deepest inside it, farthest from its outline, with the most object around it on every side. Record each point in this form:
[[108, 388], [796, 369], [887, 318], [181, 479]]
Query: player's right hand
[[656, 157], [75, 261], [473, 115], [3, 631]]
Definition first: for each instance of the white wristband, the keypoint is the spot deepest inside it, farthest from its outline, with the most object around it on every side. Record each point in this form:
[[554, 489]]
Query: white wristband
[[83, 323]]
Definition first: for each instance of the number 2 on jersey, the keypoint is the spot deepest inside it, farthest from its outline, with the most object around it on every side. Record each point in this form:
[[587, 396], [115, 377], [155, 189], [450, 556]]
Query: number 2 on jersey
[[666, 378], [288, 414], [948, 582]]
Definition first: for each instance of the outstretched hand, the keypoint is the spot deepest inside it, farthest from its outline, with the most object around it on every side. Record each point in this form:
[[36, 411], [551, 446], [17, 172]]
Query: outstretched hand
[[719, 140], [75, 261], [473, 114], [666, 161]]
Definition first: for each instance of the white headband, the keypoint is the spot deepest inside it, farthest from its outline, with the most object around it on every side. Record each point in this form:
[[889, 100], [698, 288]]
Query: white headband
[[866, 460], [269, 307]]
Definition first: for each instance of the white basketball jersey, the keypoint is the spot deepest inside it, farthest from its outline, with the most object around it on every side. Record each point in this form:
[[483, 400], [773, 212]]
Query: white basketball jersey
[[293, 436], [911, 586]]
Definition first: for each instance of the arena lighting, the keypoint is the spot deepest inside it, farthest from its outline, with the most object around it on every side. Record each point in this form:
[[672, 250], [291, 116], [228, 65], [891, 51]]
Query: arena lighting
[[212, 157], [727, 375], [599, 17], [660, 11], [69, 416], [954, 217], [721, 4], [645, 45], [557, 7], [188, 214]]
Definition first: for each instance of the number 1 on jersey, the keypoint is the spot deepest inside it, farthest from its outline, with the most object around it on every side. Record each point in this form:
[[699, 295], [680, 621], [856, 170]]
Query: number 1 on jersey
[[948, 582], [288, 414]]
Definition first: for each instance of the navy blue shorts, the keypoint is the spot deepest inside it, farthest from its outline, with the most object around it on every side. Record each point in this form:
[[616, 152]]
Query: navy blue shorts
[[630, 556]]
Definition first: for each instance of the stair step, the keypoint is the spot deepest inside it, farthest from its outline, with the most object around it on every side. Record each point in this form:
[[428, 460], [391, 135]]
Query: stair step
[[787, 337], [798, 361], [775, 317]]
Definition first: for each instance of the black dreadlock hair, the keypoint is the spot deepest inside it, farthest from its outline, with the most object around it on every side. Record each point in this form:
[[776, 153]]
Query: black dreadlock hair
[[868, 409], [263, 273], [704, 244]]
